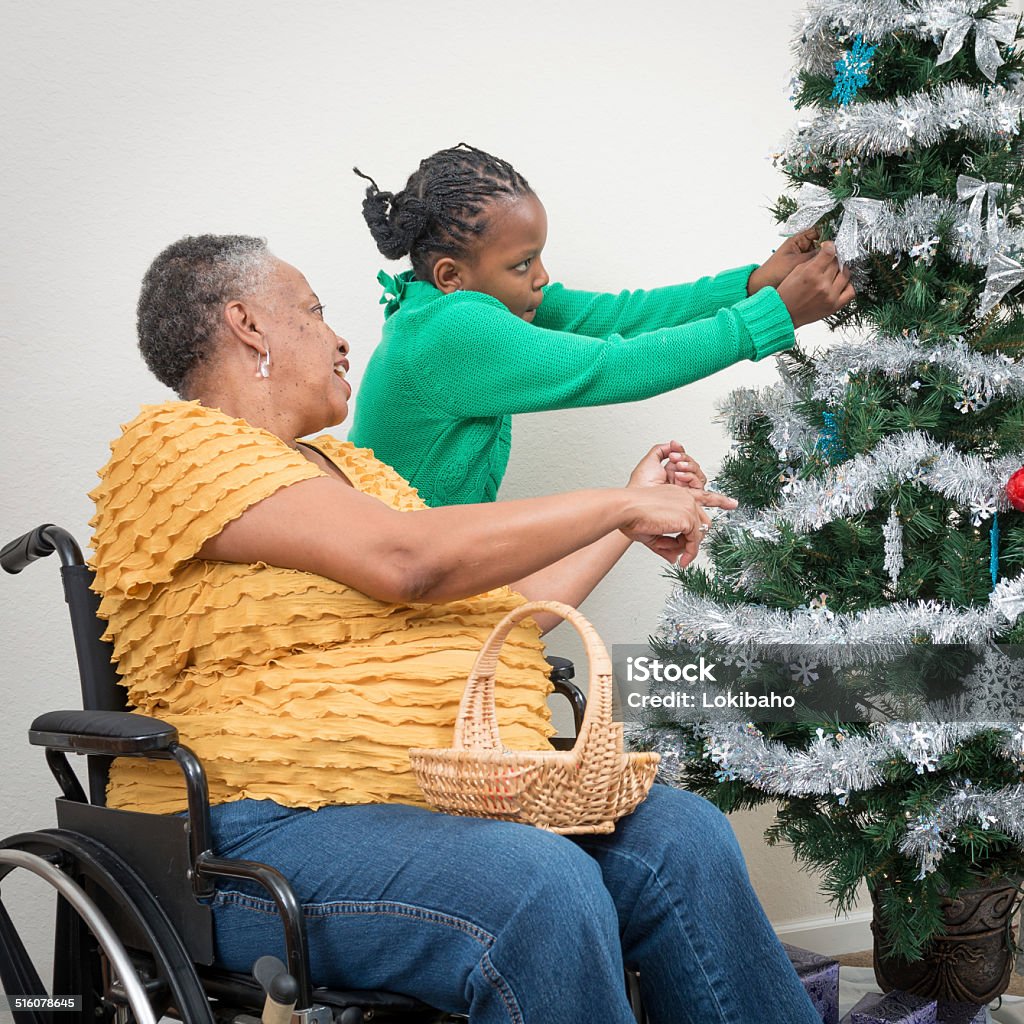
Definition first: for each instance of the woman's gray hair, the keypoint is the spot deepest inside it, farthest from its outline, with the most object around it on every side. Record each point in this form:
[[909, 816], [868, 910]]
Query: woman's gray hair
[[183, 294]]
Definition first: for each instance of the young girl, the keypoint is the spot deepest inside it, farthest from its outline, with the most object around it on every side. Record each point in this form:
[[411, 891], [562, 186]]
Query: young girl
[[475, 332]]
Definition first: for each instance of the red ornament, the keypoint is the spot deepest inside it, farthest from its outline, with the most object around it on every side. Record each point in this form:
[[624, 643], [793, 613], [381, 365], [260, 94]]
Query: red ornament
[[1015, 490]]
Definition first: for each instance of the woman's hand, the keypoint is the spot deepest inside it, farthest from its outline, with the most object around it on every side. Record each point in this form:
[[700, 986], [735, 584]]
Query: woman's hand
[[672, 521], [817, 288], [794, 251]]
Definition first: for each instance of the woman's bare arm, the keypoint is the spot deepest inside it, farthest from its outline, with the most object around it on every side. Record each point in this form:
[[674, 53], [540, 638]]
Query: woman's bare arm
[[324, 526]]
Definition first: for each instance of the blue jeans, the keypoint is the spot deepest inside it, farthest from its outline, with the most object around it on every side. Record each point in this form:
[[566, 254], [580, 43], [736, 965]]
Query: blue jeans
[[511, 924]]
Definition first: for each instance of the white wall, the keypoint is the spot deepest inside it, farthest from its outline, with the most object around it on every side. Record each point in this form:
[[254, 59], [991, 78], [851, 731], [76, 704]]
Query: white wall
[[644, 128]]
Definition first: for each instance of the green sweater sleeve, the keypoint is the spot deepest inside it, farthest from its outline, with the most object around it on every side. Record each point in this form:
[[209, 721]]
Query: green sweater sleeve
[[632, 312], [505, 365]]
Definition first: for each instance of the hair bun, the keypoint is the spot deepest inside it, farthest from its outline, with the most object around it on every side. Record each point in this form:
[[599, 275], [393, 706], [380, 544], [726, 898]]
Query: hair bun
[[444, 208], [395, 221]]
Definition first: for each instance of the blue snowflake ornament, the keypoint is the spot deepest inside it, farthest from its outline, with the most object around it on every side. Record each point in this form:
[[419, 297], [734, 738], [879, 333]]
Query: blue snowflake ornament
[[852, 71]]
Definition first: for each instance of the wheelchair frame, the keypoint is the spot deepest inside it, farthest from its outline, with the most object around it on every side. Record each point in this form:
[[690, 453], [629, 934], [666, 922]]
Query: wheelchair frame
[[145, 876]]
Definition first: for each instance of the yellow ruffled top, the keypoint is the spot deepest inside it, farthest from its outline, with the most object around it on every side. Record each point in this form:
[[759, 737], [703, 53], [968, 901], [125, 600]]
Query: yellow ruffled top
[[289, 686]]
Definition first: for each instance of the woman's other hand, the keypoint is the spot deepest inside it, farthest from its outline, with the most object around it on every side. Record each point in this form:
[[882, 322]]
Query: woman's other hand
[[817, 288], [794, 251], [668, 463]]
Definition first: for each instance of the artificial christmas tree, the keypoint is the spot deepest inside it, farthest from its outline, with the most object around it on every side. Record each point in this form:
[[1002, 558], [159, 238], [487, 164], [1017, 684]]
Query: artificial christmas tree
[[873, 479]]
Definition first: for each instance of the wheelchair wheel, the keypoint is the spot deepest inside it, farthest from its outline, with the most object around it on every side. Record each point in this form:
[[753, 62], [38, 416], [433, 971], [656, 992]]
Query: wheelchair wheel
[[132, 977]]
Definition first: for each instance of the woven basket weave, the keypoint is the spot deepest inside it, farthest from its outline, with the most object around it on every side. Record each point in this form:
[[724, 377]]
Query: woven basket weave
[[568, 791]]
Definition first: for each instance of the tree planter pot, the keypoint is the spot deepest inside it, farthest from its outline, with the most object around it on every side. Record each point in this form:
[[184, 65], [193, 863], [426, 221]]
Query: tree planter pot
[[972, 963]]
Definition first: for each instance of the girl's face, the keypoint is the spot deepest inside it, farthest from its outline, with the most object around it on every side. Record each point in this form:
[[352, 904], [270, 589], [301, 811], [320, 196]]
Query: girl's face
[[506, 261]]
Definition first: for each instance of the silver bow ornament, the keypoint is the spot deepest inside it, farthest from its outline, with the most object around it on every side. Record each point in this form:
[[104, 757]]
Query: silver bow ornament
[[974, 191], [859, 218], [1008, 598], [988, 34], [1003, 274], [813, 202]]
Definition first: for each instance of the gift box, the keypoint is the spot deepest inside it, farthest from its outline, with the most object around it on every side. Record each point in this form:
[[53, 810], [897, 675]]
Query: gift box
[[869, 1010], [893, 1008], [961, 1013], [820, 977]]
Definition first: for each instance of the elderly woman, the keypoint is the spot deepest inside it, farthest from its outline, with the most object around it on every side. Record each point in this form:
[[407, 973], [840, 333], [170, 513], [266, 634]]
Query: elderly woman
[[301, 617]]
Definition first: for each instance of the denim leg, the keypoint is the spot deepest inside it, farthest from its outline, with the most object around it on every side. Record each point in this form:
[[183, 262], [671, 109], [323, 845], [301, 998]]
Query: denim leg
[[502, 921], [690, 920]]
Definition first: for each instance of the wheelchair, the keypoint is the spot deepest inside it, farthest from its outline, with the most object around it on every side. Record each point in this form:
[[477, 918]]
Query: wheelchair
[[133, 938]]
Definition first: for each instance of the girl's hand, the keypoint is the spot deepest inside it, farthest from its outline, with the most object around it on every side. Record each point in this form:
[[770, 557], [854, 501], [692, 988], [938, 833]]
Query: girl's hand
[[794, 251], [817, 288], [668, 463]]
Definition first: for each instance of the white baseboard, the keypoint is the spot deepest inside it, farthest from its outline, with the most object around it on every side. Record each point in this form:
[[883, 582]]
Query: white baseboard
[[848, 934]]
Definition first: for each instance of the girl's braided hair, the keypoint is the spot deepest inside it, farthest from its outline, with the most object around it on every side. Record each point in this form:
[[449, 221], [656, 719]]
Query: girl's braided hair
[[441, 209]]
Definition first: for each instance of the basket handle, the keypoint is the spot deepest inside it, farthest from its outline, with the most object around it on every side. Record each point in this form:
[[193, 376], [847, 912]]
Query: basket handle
[[476, 726]]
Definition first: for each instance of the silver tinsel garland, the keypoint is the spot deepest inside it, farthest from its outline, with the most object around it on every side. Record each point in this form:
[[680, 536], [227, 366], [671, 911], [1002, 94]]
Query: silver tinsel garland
[[844, 637], [853, 486], [931, 835], [946, 22], [791, 435], [834, 764], [837, 764], [985, 376], [915, 121]]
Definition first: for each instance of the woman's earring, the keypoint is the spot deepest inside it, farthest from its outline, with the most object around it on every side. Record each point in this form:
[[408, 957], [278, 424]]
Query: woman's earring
[[263, 364]]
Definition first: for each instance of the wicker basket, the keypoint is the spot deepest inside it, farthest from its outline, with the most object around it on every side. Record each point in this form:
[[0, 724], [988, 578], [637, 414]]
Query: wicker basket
[[568, 791]]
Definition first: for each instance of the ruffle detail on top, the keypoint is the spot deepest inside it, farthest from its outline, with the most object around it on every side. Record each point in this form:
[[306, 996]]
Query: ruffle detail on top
[[177, 476], [289, 686]]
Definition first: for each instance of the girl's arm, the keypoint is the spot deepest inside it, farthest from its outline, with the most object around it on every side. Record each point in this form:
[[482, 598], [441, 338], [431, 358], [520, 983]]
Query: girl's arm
[[598, 315], [506, 365], [631, 312]]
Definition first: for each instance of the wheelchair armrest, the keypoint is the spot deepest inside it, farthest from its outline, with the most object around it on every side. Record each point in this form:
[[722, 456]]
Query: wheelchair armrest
[[561, 675], [107, 733], [562, 669]]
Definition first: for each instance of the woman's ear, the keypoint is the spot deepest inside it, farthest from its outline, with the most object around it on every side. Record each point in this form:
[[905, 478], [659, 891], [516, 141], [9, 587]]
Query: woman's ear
[[241, 322], [447, 275]]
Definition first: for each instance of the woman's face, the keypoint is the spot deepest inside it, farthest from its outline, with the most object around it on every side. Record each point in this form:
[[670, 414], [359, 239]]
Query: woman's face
[[506, 261], [308, 360]]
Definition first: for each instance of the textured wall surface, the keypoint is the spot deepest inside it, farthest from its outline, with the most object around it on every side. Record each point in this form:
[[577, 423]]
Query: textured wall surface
[[645, 129]]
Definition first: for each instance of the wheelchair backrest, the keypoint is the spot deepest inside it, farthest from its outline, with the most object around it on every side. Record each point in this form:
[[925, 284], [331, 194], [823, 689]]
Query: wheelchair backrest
[[101, 683], [101, 689]]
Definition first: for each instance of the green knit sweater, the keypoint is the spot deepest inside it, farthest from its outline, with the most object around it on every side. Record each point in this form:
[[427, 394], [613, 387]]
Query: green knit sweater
[[439, 391]]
